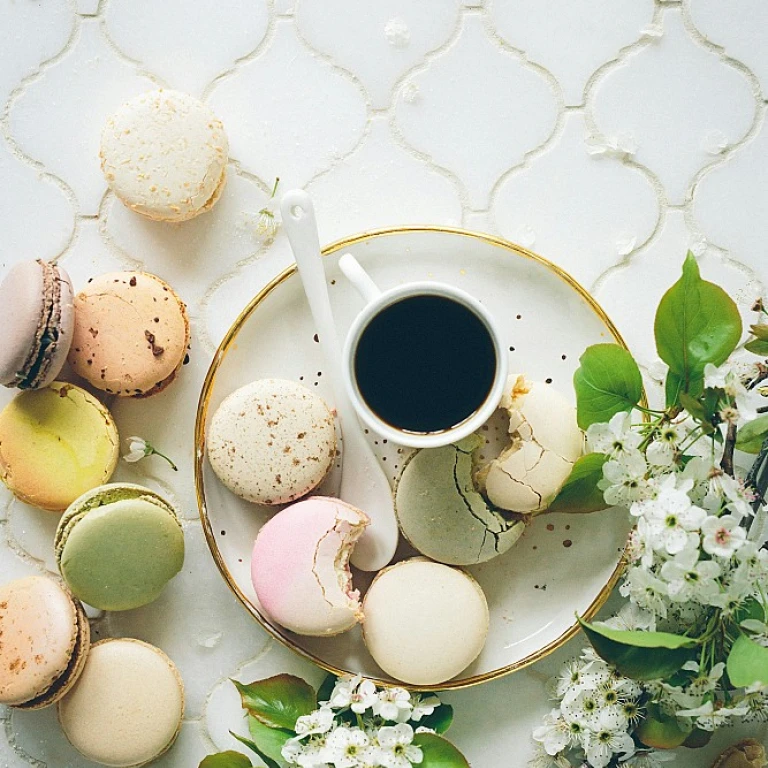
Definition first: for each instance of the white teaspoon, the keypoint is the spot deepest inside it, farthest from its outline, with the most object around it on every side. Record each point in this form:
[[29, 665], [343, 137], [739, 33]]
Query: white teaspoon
[[363, 482]]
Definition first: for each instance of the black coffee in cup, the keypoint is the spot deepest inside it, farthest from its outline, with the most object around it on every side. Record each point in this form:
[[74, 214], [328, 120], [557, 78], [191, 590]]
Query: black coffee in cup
[[425, 363]]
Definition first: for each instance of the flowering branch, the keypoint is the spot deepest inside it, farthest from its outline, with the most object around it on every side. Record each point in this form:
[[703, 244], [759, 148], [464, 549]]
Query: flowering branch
[[688, 654]]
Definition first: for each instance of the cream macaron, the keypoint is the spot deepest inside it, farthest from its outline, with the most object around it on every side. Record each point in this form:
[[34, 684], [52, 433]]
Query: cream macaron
[[272, 441], [45, 641], [424, 622], [131, 334], [300, 566], [127, 707], [164, 154]]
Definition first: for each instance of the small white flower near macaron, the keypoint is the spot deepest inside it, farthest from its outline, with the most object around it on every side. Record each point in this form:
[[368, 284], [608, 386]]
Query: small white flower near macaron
[[139, 448]]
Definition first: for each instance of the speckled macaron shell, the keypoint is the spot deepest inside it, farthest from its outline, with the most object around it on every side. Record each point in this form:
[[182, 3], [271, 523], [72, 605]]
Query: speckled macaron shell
[[164, 154], [127, 707], [424, 622], [131, 334], [56, 443], [299, 566], [45, 641], [37, 317], [272, 441], [118, 545], [443, 515]]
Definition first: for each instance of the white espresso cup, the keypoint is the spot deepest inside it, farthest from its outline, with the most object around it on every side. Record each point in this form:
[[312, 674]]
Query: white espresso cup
[[423, 363]]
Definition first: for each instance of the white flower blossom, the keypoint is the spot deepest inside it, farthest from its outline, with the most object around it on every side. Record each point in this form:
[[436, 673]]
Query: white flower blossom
[[688, 578], [137, 449], [727, 378], [319, 721], [624, 479], [646, 590], [423, 707], [393, 704], [670, 516], [607, 740], [397, 751], [344, 746], [614, 438], [722, 535], [555, 734], [708, 717]]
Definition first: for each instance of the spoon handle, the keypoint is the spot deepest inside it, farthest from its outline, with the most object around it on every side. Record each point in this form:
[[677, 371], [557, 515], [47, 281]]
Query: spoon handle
[[363, 482]]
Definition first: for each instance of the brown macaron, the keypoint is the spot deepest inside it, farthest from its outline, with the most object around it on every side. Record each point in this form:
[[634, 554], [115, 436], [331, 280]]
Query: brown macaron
[[131, 334], [45, 641]]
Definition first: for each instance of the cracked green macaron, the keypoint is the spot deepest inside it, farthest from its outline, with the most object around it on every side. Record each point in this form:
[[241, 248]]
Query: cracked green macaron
[[443, 515], [118, 545]]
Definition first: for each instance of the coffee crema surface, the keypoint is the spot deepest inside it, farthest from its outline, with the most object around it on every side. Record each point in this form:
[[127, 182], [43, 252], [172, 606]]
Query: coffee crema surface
[[425, 364]]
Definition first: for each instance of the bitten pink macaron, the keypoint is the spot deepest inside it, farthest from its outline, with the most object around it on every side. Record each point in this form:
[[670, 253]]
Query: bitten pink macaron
[[300, 566], [131, 334]]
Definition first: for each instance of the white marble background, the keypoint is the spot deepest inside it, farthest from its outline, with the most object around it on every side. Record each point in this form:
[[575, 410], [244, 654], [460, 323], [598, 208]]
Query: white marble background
[[608, 135]]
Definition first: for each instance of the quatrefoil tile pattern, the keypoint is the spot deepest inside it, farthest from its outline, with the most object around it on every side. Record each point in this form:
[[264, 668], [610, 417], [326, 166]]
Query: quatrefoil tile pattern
[[608, 135]]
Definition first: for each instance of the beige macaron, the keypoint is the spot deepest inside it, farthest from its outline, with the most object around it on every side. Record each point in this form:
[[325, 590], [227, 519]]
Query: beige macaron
[[272, 441], [131, 334], [424, 622], [45, 641], [164, 154], [127, 707]]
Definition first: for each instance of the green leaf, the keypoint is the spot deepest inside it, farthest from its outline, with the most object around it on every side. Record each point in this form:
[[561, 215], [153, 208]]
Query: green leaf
[[278, 701], [751, 609], [439, 752], [580, 492], [227, 759], [440, 720], [326, 688], [696, 323], [750, 437], [269, 740], [638, 654], [268, 761], [660, 730], [757, 347], [607, 381], [747, 663], [698, 411]]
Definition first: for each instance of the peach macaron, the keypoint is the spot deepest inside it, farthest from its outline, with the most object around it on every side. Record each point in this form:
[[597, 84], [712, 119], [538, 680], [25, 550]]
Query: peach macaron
[[131, 334], [45, 641]]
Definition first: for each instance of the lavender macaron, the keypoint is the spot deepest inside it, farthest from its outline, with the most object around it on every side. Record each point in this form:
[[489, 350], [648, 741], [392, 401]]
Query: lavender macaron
[[37, 316]]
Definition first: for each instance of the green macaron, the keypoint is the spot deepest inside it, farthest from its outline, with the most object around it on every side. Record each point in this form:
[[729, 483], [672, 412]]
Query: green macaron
[[118, 545]]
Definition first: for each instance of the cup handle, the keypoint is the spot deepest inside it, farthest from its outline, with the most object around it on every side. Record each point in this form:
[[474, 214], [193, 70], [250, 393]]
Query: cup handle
[[359, 278]]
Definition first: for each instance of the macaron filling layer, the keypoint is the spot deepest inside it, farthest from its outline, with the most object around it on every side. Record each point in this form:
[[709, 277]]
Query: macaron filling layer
[[67, 678]]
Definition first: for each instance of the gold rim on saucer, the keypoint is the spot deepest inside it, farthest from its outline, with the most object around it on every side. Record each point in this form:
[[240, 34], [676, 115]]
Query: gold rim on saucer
[[202, 413]]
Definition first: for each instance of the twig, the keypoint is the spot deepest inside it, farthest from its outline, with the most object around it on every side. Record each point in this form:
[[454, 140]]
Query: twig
[[761, 375], [726, 463]]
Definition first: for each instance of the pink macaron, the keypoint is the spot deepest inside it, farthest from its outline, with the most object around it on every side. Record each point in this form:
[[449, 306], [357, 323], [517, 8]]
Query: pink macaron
[[300, 566]]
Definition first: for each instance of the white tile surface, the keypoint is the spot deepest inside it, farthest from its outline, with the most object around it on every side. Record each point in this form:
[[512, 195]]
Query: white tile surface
[[593, 32], [479, 110], [377, 42], [288, 113], [608, 135], [581, 210], [672, 118], [186, 44], [76, 94]]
